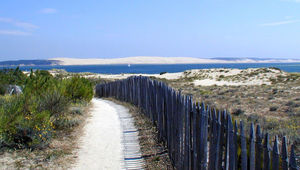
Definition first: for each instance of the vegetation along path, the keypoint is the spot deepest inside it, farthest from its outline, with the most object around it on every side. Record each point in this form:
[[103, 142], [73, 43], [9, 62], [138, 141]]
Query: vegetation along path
[[110, 139]]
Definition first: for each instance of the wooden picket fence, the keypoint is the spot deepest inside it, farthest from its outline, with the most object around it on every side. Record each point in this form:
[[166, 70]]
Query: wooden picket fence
[[197, 136]]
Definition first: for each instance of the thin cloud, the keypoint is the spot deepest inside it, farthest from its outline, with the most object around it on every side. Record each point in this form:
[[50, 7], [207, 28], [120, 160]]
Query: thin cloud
[[48, 11], [297, 1], [280, 23], [14, 32], [24, 25]]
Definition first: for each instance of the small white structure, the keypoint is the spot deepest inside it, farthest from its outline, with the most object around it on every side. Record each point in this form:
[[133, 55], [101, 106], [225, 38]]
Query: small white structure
[[14, 89]]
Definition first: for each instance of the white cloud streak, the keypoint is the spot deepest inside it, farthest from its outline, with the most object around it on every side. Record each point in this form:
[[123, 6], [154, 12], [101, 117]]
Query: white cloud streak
[[48, 11], [14, 32], [297, 1], [24, 25], [279, 23]]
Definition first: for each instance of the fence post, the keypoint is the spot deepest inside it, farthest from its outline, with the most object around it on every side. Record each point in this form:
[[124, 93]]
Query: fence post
[[186, 129], [275, 156], [243, 148], [293, 163], [258, 148], [266, 153], [212, 142], [230, 144], [235, 137], [222, 141], [284, 155], [252, 148], [187, 135]]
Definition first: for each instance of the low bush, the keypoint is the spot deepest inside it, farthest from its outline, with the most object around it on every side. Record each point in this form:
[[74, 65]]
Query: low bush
[[273, 108], [30, 119], [76, 111], [53, 101], [79, 88], [2, 89], [237, 112], [20, 127]]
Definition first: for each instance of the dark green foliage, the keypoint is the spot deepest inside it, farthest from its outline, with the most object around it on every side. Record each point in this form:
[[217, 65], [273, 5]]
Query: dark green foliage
[[53, 101], [12, 76], [38, 82], [22, 126], [2, 89], [79, 88], [28, 120]]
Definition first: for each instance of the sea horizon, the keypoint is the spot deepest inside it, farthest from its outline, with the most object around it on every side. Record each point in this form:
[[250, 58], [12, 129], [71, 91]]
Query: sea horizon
[[157, 68]]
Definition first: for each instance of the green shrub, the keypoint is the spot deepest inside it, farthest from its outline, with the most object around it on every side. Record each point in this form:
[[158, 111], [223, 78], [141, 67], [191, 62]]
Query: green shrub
[[2, 89], [79, 88], [76, 111], [53, 101], [12, 76], [39, 82], [66, 121], [28, 120], [21, 127]]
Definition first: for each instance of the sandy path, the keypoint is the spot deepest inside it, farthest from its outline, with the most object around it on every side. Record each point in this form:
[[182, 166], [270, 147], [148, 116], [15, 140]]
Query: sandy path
[[110, 139], [100, 146]]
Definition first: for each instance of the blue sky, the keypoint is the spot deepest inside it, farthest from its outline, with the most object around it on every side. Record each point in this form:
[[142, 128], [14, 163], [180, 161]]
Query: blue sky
[[35, 29]]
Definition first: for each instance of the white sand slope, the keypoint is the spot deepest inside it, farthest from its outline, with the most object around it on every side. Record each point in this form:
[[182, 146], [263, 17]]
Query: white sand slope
[[158, 60], [102, 145]]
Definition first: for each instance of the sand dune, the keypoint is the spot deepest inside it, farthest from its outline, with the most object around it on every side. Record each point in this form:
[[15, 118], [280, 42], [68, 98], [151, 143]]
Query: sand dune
[[157, 60]]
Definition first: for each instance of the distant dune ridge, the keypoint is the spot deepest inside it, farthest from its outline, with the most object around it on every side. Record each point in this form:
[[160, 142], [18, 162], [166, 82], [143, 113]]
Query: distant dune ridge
[[29, 62], [163, 60], [141, 60]]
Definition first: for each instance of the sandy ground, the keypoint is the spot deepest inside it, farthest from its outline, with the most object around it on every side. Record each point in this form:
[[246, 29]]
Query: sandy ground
[[210, 77], [169, 76], [234, 77], [100, 146], [110, 139]]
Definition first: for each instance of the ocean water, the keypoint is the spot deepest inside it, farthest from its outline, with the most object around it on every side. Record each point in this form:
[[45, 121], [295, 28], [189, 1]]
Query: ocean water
[[152, 69]]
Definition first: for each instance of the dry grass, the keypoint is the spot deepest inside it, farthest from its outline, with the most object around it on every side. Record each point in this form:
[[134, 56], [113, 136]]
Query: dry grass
[[60, 154], [276, 107], [154, 153]]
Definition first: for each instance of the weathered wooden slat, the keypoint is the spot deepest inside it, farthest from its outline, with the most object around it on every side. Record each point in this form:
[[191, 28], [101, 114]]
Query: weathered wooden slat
[[293, 163], [212, 142], [243, 148], [187, 135], [252, 148], [236, 142], [195, 136], [222, 141], [275, 155], [190, 132], [217, 143], [230, 144], [284, 155], [258, 149], [266, 153], [204, 132]]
